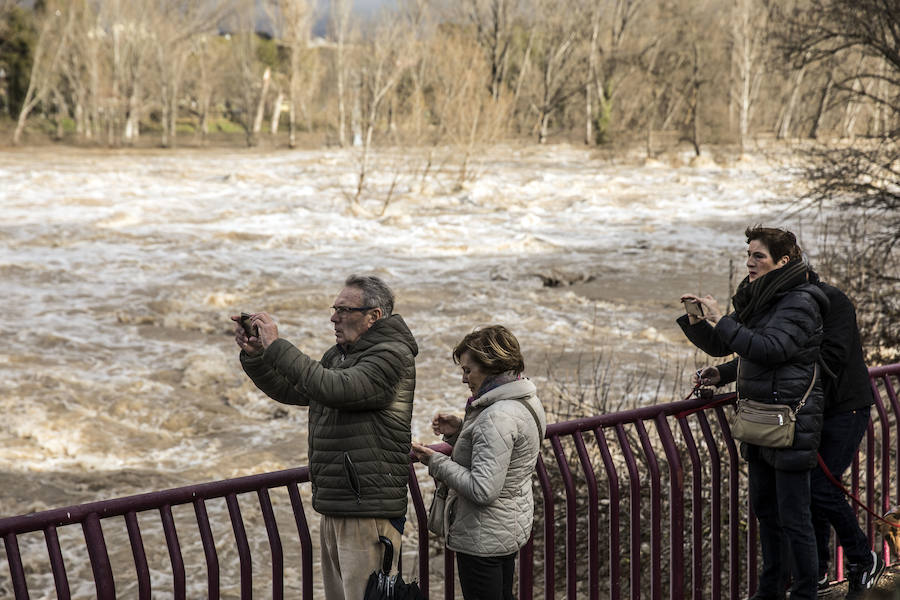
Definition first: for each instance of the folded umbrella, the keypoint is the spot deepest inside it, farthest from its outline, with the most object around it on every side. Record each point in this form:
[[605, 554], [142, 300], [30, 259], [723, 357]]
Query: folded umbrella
[[384, 586]]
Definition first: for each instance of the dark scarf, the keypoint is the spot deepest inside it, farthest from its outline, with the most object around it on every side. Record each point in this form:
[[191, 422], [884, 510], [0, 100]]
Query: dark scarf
[[492, 382], [751, 297]]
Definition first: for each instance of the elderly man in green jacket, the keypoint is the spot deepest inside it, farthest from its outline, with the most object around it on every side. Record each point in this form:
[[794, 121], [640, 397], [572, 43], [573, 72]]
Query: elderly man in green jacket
[[360, 397]]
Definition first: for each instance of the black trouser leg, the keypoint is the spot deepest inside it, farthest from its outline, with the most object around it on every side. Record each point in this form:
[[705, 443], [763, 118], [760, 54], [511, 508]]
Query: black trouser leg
[[486, 577]]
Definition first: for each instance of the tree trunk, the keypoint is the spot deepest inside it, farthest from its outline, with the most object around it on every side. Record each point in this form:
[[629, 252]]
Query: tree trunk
[[292, 93], [164, 121], [204, 118], [61, 113], [173, 113], [261, 105], [588, 117], [820, 109], [276, 111], [133, 120], [544, 125], [785, 130]]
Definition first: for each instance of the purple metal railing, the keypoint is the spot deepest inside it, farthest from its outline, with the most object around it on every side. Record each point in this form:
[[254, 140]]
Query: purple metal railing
[[653, 501]]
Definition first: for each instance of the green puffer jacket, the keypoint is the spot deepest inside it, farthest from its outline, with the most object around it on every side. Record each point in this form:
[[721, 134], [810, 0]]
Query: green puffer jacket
[[360, 409]]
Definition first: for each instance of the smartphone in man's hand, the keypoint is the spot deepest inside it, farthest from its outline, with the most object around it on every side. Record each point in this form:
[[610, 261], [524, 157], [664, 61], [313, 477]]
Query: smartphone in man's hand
[[249, 329]]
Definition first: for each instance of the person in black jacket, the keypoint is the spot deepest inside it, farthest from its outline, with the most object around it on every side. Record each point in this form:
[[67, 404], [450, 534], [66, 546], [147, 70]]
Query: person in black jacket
[[848, 399], [776, 331]]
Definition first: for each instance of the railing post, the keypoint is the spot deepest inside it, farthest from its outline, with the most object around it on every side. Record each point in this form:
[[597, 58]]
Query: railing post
[[96, 547]]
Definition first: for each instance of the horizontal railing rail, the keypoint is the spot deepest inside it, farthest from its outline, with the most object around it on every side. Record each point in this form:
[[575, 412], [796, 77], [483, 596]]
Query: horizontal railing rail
[[649, 502]]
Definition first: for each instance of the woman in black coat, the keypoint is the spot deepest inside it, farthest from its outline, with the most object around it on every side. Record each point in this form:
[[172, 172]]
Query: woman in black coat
[[776, 330]]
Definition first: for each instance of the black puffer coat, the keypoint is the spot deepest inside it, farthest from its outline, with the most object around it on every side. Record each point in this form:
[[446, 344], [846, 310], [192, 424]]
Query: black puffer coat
[[779, 347], [847, 385], [360, 402]]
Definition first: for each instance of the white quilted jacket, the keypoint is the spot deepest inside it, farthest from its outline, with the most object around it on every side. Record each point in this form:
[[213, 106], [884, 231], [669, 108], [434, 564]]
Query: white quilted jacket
[[490, 507]]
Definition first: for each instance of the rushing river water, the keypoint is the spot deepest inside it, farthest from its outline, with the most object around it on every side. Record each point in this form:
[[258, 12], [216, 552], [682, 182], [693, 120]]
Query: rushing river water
[[120, 270]]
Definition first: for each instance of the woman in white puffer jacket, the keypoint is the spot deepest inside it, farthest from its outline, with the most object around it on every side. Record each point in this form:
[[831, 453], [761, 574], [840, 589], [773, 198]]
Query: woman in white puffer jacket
[[490, 506]]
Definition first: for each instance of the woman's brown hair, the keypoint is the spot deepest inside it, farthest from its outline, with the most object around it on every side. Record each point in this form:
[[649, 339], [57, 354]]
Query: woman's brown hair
[[494, 348], [779, 242]]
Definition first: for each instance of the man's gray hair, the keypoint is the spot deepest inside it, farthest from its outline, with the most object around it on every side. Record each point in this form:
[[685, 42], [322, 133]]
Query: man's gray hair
[[376, 293]]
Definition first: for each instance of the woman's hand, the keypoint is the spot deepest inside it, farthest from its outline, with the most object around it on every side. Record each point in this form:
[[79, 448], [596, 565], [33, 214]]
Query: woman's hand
[[706, 376], [423, 453], [711, 310], [446, 424], [692, 319]]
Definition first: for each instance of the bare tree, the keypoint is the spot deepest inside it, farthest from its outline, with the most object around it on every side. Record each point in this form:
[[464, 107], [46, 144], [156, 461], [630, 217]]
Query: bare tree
[[558, 53], [466, 116], [297, 21], [340, 30], [174, 26], [54, 35], [863, 174], [493, 27], [611, 23], [749, 31], [382, 59]]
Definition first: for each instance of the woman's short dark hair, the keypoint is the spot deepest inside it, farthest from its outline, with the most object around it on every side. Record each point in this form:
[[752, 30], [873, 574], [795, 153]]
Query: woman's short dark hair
[[494, 348], [780, 242], [376, 293]]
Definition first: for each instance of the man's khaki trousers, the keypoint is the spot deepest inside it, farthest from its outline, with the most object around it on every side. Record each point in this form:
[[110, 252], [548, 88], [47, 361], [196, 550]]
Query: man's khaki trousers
[[351, 552]]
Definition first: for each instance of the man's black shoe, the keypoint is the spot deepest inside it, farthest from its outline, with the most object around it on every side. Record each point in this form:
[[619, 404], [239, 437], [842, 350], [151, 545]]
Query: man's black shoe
[[864, 577]]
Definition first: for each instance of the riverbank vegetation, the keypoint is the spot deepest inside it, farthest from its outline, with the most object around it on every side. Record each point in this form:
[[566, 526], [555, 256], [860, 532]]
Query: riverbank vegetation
[[117, 73]]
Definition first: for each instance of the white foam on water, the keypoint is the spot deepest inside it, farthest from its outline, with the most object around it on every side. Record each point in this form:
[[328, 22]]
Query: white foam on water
[[121, 270]]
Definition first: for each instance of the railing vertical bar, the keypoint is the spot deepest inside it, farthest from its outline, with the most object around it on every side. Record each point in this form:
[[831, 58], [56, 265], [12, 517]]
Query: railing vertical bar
[[892, 396], [696, 509], [305, 541], [571, 518], [265, 505], [209, 548], [549, 529], [415, 493], [634, 512], [655, 512], [240, 537], [16, 570], [449, 574], [140, 556], [895, 408], [612, 478], [96, 546], [57, 564], [676, 508], [885, 460], [870, 473], [593, 518], [526, 569], [715, 531], [179, 583], [854, 489], [734, 534]]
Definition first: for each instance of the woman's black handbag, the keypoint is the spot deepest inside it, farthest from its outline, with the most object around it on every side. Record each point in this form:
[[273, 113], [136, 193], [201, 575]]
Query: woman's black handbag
[[765, 424]]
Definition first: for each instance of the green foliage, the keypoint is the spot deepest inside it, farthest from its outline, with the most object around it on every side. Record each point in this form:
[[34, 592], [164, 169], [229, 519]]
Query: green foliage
[[267, 52], [225, 126], [17, 38], [68, 125], [602, 119]]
